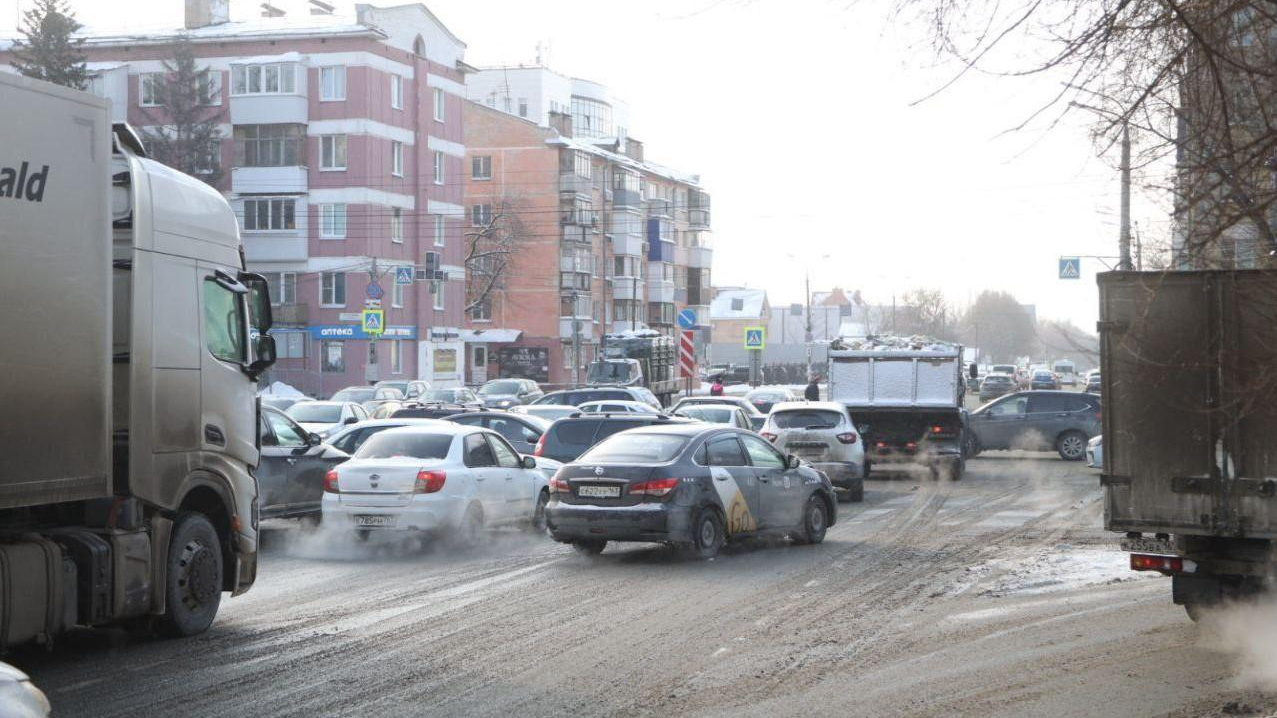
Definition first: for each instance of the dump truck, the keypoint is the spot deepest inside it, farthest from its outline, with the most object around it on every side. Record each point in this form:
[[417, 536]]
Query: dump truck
[[1190, 428], [133, 340], [643, 358], [906, 397]]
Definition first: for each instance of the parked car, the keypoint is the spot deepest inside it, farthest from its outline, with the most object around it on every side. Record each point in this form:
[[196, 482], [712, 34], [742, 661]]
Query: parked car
[[357, 394], [523, 432], [19, 697], [410, 388], [350, 438], [756, 417], [445, 478], [1095, 452], [576, 397], [996, 385], [764, 398], [617, 406], [386, 409], [281, 402], [1038, 420], [1044, 380], [431, 410], [326, 417], [459, 395], [730, 484], [717, 414], [546, 411], [381, 395], [1008, 369], [567, 438], [1093, 383], [824, 434], [291, 468], [505, 393]]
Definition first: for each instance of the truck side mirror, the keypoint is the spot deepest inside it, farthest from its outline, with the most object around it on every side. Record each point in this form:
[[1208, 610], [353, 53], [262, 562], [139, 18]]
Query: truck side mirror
[[973, 371], [263, 355]]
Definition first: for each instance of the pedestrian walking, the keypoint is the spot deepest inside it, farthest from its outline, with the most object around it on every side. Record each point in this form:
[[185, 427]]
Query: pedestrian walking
[[716, 389], [812, 392]]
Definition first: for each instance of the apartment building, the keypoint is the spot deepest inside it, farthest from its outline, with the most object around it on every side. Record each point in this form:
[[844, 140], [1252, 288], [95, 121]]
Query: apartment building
[[342, 152], [606, 241]]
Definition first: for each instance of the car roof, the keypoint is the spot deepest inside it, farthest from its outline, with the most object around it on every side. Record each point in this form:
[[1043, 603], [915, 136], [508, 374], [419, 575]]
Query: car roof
[[684, 428], [823, 405], [442, 427], [622, 402], [527, 418], [323, 402], [364, 387], [529, 407], [401, 421], [628, 416]]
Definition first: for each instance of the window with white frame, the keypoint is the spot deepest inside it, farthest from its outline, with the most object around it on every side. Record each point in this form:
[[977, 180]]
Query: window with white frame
[[267, 79], [440, 238], [332, 289], [481, 167], [439, 108], [523, 107], [396, 92], [332, 221], [396, 224], [331, 356], [281, 145], [396, 295], [149, 89], [332, 83], [436, 291], [270, 214], [396, 158], [438, 167], [332, 152], [396, 356], [283, 287], [290, 345], [481, 215], [208, 86], [482, 310]]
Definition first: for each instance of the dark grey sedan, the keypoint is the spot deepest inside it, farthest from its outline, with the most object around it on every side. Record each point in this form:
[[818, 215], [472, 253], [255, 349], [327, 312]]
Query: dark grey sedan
[[290, 472], [693, 486], [993, 386], [522, 431]]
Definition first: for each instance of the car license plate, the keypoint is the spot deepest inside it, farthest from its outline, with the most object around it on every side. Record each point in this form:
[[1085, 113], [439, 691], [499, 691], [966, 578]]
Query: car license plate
[[1148, 545], [375, 520], [599, 492]]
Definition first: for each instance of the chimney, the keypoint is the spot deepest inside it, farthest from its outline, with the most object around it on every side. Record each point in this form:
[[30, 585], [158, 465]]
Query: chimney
[[202, 13], [269, 10], [561, 122], [319, 7]]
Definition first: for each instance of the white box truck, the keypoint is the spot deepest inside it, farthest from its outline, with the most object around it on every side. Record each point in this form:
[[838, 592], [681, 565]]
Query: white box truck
[[132, 342]]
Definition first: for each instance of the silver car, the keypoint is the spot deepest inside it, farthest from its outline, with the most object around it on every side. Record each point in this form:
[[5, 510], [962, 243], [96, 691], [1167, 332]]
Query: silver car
[[823, 434]]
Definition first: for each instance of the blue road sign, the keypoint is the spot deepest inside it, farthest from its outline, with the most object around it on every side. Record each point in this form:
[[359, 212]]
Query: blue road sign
[[687, 319], [373, 321], [1070, 267], [374, 291], [754, 338], [403, 276]]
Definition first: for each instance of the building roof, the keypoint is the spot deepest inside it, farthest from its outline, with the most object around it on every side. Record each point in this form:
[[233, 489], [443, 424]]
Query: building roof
[[626, 160], [256, 28], [752, 304]]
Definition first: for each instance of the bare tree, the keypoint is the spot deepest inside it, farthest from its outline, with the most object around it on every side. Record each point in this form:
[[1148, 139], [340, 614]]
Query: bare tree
[[1193, 80], [925, 311], [490, 251]]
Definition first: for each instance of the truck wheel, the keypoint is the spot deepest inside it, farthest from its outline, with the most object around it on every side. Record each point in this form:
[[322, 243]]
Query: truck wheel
[[707, 536], [1071, 445], [193, 585], [815, 522]]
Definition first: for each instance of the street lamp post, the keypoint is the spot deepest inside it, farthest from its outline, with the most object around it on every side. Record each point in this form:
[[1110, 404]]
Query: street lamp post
[[808, 336]]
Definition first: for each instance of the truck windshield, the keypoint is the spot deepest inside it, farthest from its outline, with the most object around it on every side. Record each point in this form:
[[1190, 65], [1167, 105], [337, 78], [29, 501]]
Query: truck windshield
[[608, 372]]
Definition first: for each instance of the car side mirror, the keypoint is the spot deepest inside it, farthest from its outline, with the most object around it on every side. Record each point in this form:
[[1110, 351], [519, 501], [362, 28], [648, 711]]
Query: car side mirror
[[529, 462], [314, 440], [350, 420], [793, 462]]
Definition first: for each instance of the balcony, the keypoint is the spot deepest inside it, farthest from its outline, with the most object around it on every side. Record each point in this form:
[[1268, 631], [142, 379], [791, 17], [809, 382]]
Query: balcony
[[579, 217], [576, 234], [627, 245], [572, 182], [269, 109], [660, 207], [276, 248], [291, 314], [700, 257], [627, 288], [586, 328], [275, 180], [584, 264], [575, 281], [626, 198], [698, 218], [662, 292], [660, 252]]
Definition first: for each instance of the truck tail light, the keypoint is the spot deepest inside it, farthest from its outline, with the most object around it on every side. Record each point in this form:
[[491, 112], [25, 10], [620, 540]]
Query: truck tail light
[[429, 482], [655, 487], [937, 429], [1165, 564], [848, 437], [540, 447], [560, 486], [767, 435], [330, 482]]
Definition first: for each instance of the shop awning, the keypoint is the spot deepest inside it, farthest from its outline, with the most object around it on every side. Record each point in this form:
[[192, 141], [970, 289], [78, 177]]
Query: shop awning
[[490, 336]]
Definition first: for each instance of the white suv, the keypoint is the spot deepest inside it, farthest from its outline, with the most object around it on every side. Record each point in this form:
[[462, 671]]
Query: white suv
[[823, 434]]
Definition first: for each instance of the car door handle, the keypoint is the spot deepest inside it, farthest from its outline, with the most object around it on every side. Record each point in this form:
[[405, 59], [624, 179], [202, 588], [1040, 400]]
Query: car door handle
[[764, 479], [721, 478], [291, 460], [480, 478]]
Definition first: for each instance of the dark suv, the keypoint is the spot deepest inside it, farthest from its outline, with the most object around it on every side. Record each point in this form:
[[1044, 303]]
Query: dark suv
[[1038, 420], [569, 437]]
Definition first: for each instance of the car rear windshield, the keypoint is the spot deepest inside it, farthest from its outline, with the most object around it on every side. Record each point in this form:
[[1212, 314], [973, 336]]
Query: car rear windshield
[[499, 387], [806, 419], [315, 413], [389, 445], [997, 379], [636, 448], [358, 396], [439, 395], [712, 414]]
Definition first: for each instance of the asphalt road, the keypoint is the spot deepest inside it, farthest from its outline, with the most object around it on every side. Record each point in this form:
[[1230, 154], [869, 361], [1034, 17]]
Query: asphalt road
[[998, 595]]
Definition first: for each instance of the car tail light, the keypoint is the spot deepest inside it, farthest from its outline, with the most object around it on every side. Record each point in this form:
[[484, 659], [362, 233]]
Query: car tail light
[[428, 482], [848, 437], [560, 486], [767, 435], [881, 445], [540, 447], [330, 482], [655, 487], [1165, 564], [937, 429], [911, 445]]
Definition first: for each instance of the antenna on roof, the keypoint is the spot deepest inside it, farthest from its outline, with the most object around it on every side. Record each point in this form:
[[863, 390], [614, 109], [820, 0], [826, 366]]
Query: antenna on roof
[[269, 10], [319, 7]]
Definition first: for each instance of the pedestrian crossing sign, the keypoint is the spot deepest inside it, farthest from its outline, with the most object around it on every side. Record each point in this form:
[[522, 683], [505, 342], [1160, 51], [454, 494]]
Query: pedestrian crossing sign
[[1070, 267], [755, 337], [374, 321]]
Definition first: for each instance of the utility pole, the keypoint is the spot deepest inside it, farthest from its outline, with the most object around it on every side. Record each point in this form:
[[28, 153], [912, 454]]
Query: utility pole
[[372, 372], [1124, 239], [808, 336]]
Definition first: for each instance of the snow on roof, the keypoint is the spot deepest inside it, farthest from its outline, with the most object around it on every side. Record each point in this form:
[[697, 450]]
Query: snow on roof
[[751, 304], [264, 59], [492, 336], [626, 160], [261, 27]]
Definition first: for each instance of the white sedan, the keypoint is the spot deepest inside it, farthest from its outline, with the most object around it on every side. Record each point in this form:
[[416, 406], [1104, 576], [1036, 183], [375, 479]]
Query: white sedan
[[445, 478], [617, 406]]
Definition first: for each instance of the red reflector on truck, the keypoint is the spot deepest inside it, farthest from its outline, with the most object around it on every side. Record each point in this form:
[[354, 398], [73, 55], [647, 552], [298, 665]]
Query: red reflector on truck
[[1166, 564]]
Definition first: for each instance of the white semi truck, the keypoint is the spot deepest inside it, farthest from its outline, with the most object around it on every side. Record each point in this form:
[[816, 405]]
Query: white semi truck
[[132, 339]]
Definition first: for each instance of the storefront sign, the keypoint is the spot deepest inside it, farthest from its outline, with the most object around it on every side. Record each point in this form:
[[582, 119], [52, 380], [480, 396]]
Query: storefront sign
[[355, 331], [524, 363]]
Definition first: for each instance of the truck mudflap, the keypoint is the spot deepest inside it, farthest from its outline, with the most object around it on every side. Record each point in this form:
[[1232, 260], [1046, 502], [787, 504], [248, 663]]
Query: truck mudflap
[[245, 572]]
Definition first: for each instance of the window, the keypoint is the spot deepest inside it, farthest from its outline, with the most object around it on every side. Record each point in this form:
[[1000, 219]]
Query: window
[[270, 214], [283, 287], [332, 221], [332, 289], [438, 94], [477, 452], [591, 118], [481, 168], [439, 230], [436, 291], [481, 215], [149, 89], [626, 266], [523, 107], [332, 83], [481, 357], [396, 92], [724, 452], [332, 356], [576, 305], [576, 162], [284, 432], [396, 225], [396, 354], [271, 79], [209, 87], [396, 158], [396, 295], [438, 168], [224, 330], [269, 145], [1010, 407], [506, 457], [627, 310], [761, 454], [290, 345], [482, 310], [738, 304], [332, 152]]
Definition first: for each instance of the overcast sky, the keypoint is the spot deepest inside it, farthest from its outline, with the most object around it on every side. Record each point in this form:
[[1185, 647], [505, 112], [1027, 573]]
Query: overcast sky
[[799, 116]]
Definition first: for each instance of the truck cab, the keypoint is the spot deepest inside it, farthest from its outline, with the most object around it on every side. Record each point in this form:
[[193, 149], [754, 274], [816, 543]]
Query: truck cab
[[615, 372]]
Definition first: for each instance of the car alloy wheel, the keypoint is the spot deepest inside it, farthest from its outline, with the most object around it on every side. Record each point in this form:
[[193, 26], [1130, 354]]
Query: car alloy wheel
[[1072, 446]]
